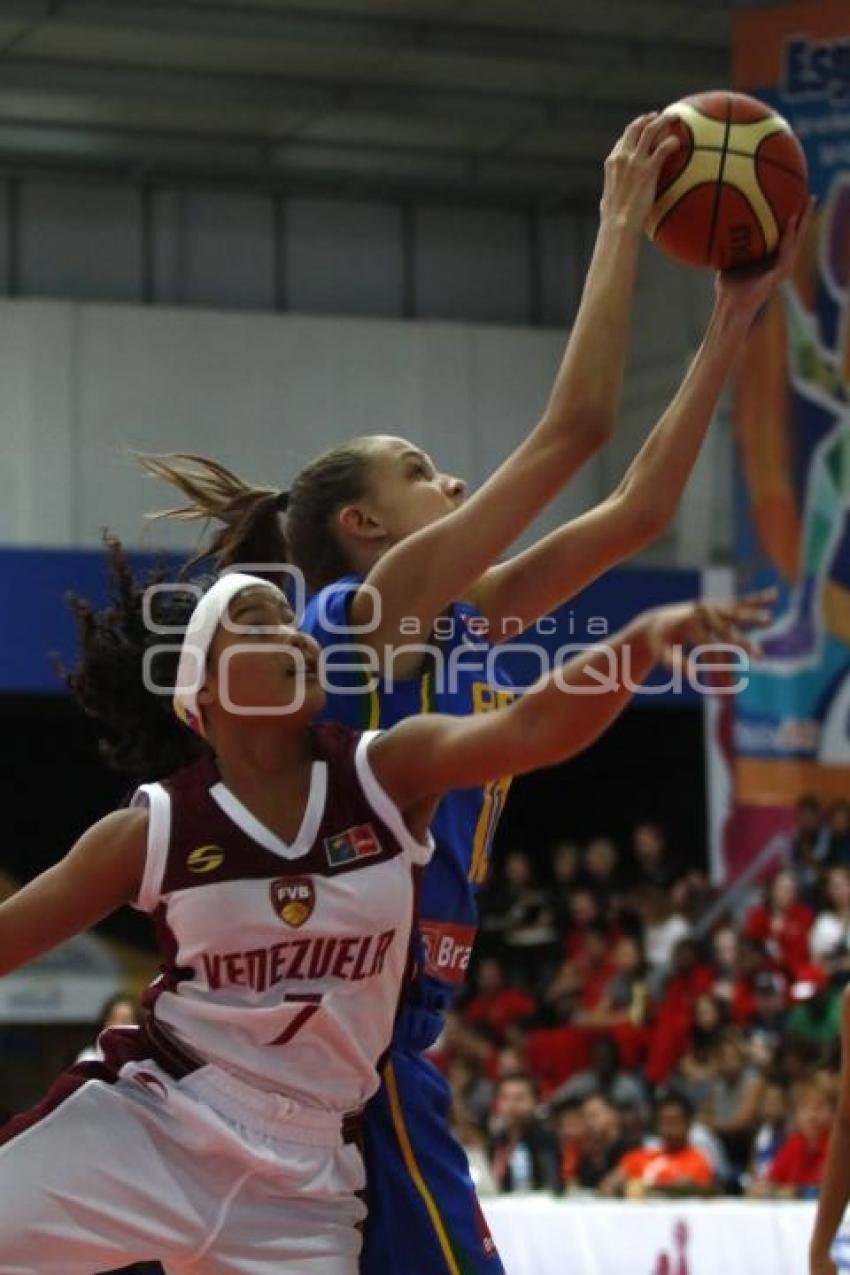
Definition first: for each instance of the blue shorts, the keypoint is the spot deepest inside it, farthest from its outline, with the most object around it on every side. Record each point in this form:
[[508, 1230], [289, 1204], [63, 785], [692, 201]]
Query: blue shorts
[[424, 1217]]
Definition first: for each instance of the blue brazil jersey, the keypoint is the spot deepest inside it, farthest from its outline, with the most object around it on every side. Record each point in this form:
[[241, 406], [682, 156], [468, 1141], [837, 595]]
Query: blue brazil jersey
[[457, 678]]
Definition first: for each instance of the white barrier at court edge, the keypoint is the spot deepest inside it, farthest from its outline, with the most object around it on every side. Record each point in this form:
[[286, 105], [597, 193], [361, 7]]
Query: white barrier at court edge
[[538, 1235]]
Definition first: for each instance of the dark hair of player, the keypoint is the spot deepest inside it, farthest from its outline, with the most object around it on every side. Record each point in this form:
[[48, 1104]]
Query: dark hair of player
[[139, 733]]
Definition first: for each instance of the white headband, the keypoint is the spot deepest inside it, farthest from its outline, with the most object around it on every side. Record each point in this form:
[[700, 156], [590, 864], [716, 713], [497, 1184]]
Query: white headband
[[200, 631]]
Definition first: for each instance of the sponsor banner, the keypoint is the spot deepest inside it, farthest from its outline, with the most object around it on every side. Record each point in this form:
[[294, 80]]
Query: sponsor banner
[[788, 732]]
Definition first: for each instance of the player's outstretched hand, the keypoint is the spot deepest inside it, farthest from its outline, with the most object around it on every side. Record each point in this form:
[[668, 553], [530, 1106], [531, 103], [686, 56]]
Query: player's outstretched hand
[[748, 290], [671, 630], [632, 169], [822, 1266]]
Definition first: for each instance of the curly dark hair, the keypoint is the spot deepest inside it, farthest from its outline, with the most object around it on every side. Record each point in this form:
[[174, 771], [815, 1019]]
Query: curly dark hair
[[139, 734]]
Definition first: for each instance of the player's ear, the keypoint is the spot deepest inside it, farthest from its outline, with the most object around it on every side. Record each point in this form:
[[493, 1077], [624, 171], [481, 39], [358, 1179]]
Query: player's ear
[[360, 523]]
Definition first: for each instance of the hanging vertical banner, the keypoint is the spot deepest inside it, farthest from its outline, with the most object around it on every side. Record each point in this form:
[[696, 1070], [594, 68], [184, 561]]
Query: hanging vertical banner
[[789, 733]]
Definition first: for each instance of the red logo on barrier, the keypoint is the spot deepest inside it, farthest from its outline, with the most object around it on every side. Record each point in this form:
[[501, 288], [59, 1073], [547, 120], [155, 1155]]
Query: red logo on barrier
[[676, 1263]]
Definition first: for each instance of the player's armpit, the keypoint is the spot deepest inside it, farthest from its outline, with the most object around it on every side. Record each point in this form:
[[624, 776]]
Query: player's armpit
[[100, 873]]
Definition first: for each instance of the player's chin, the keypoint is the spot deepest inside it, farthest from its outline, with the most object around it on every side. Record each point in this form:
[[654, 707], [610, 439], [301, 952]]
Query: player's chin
[[309, 699]]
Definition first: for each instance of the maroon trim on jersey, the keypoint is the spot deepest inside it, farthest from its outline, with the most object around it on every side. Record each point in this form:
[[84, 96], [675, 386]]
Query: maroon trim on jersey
[[161, 1046], [158, 1044], [170, 973], [227, 853]]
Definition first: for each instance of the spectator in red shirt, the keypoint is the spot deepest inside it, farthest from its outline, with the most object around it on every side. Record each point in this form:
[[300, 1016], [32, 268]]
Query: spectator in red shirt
[[782, 924], [624, 995], [555, 1053], [730, 986], [798, 1168], [584, 914], [689, 980], [496, 1005], [586, 975]]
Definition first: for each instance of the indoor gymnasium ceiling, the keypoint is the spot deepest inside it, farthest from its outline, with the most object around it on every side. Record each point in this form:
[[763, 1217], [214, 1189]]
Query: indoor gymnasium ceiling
[[485, 100]]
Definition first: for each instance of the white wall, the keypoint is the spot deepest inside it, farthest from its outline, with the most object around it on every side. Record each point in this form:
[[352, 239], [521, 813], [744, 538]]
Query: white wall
[[85, 383]]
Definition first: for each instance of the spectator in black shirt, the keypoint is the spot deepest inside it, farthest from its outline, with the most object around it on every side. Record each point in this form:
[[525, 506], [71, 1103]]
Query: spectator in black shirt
[[524, 1152], [651, 864], [604, 1146]]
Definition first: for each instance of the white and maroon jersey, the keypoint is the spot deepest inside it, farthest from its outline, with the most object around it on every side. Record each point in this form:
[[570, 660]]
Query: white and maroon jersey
[[282, 963]]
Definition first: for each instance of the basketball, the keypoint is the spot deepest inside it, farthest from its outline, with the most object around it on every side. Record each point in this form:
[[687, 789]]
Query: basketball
[[726, 195]]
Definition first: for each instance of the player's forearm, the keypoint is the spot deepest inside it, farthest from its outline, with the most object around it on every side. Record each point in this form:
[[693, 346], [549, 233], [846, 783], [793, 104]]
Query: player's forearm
[[835, 1189], [573, 705], [586, 395], [656, 479]]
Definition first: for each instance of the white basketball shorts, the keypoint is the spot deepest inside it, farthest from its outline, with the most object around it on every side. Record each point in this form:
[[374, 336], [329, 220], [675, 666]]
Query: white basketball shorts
[[202, 1174]]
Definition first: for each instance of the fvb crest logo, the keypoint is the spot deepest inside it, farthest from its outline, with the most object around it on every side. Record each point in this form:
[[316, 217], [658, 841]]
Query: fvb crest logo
[[675, 1263], [293, 899]]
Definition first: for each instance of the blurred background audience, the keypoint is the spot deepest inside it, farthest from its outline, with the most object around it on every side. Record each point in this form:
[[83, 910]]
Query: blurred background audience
[[625, 1032]]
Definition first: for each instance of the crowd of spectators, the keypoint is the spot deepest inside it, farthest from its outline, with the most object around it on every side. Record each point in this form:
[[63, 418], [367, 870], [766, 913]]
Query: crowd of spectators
[[626, 1029]]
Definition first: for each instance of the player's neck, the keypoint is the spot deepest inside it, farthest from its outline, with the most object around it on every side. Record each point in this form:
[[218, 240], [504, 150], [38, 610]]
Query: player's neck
[[252, 758]]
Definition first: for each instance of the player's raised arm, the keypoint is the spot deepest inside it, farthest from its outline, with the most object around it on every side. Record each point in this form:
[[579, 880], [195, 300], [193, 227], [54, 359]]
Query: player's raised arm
[[562, 714], [100, 873], [536, 581], [445, 559]]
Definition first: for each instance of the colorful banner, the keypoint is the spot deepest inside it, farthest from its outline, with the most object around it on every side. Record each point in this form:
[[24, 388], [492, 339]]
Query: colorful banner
[[790, 730]]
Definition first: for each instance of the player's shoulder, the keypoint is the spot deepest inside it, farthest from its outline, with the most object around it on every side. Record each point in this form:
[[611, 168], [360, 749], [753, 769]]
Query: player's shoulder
[[326, 611]]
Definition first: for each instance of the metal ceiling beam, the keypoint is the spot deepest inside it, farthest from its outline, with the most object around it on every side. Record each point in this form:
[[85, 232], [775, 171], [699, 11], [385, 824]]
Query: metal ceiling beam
[[251, 164], [502, 109], [294, 183], [300, 24]]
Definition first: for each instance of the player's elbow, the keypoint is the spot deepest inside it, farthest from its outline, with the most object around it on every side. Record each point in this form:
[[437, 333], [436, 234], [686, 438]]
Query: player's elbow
[[584, 428], [646, 515], [594, 425]]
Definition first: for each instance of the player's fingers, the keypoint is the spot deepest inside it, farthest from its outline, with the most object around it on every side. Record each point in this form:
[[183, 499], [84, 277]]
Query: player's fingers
[[761, 596], [665, 149], [793, 236], [788, 244], [744, 613], [634, 130], [753, 615], [656, 131]]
